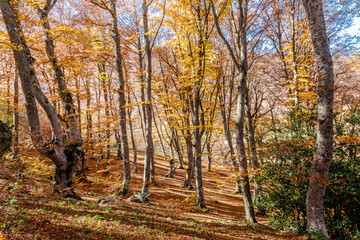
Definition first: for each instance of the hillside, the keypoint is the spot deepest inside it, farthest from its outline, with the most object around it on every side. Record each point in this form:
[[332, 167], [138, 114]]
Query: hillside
[[37, 214]]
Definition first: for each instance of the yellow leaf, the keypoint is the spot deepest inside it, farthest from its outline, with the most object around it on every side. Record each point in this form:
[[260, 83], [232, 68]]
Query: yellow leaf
[[2, 236]]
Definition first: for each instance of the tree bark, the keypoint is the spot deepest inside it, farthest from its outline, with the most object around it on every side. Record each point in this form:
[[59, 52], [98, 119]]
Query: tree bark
[[64, 156], [190, 155], [226, 125], [71, 116], [89, 127], [149, 152], [324, 146], [15, 142], [242, 66], [253, 152], [122, 102], [65, 94], [103, 79], [133, 143], [5, 138]]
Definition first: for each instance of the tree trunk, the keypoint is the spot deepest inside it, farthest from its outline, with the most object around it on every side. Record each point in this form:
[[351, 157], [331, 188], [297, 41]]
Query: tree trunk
[[240, 118], [142, 81], [324, 147], [228, 137], [174, 142], [103, 79], [89, 127], [122, 102], [253, 153], [5, 138], [78, 102], [149, 152], [65, 94], [200, 200], [208, 149], [15, 142], [59, 153], [175, 139], [133, 143], [171, 172], [190, 169], [160, 135], [71, 117], [242, 67]]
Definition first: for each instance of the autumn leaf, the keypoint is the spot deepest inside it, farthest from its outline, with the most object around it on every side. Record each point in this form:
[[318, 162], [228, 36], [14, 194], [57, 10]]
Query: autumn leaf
[[1, 234]]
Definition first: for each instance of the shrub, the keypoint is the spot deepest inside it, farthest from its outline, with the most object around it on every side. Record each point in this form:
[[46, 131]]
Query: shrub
[[286, 179]]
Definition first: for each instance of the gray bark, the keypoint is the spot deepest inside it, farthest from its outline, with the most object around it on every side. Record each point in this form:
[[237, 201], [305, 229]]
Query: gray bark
[[103, 80], [15, 142], [226, 125], [242, 66], [64, 156], [133, 143], [190, 155], [122, 102], [324, 146], [253, 152], [200, 201], [71, 117], [171, 172], [149, 152], [65, 94]]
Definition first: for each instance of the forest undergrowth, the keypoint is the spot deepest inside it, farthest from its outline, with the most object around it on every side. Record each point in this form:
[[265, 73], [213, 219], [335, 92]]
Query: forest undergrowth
[[30, 210]]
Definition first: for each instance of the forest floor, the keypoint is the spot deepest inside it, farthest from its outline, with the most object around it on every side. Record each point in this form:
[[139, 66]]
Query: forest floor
[[29, 210]]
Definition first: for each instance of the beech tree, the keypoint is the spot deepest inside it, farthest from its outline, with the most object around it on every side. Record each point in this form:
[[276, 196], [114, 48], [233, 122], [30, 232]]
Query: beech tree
[[325, 92], [241, 63], [149, 153], [71, 116], [64, 153], [111, 7]]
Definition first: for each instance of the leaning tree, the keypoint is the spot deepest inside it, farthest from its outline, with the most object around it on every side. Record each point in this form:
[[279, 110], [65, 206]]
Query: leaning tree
[[63, 151]]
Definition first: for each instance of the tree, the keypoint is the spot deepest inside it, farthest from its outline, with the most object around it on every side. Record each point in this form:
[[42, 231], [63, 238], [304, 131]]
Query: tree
[[241, 63], [149, 152], [71, 116], [325, 92], [111, 7], [65, 155]]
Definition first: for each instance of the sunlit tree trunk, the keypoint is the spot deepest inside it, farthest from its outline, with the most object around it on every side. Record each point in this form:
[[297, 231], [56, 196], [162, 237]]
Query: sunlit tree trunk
[[133, 143], [142, 80], [190, 155], [149, 152], [253, 151], [200, 200], [225, 116], [65, 94], [64, 156], [122, 102], [324, 146], [103, 79], [242, 67], [15, 141], [71, 116]]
